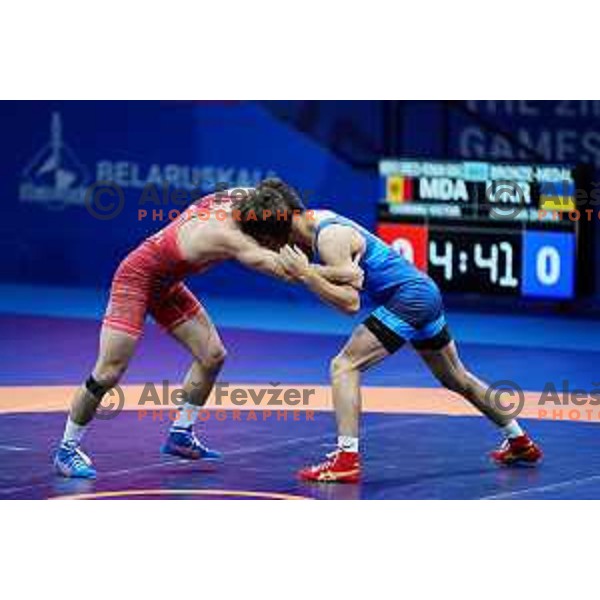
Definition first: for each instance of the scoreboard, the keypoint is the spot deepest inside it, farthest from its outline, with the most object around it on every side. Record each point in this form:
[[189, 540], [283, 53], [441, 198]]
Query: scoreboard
[[487, 228]]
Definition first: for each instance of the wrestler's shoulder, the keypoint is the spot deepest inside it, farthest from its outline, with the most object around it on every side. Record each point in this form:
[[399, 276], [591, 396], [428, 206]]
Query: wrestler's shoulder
[[220, 230]]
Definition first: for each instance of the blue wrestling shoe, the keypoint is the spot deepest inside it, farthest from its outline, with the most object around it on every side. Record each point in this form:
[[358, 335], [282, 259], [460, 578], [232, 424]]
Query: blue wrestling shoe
[[71, 461], [182, 442]]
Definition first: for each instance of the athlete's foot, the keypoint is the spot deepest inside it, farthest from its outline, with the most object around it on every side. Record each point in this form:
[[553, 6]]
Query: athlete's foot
[[71, 461], [340, 467], [519, 450], [182, 442]]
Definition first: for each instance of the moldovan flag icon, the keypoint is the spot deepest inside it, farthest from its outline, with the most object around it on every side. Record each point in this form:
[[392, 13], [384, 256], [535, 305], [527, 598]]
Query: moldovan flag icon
[[399, 189]]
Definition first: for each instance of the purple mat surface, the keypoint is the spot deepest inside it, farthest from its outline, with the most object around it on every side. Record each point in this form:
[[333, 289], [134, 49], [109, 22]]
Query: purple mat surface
[[58, 351], [405, 456]]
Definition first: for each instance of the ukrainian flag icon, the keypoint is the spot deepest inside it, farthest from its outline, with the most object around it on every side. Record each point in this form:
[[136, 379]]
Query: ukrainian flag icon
[[557, 196]]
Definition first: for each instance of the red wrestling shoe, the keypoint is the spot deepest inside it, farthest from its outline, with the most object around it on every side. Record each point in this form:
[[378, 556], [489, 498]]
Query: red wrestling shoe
[[517, 450], [340, 467]]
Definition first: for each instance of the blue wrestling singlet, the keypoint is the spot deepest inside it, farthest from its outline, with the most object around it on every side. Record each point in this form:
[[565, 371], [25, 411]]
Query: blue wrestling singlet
[[410, 303]]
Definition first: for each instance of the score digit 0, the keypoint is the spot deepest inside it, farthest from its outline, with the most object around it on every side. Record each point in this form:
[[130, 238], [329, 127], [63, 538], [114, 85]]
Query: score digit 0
[[547, 265]]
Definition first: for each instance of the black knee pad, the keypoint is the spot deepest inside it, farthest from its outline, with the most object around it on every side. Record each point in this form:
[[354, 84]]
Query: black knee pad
[[96, 389]]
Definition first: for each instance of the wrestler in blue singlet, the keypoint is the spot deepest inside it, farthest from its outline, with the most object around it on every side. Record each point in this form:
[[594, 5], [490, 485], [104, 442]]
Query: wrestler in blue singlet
[[410, 304]]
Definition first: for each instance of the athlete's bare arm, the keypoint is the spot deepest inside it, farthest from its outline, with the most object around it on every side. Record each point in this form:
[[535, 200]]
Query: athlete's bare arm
[[220, 238], [251, 254], [339, 247], [350, 274]]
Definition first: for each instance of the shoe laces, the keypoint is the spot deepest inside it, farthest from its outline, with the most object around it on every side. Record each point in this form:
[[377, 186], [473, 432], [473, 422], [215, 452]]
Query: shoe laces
[[76, 457], [330, 459], [186, 431], [196, 442], [507, 444]]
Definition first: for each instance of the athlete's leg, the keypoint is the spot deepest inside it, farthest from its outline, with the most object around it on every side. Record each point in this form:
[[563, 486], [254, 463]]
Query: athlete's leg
[[186, 320], [361, 351], [200, 337], [116, 350], [123, 324], [180, 313], [445, 364], [417, 314], [448, 369], [122, 327]]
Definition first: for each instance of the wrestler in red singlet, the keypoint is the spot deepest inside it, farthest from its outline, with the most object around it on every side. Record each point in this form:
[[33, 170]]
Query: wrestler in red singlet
[[249, 226], [149, 279]]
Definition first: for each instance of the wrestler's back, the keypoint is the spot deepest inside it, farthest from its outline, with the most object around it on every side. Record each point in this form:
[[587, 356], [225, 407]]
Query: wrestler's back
[[193, 242]]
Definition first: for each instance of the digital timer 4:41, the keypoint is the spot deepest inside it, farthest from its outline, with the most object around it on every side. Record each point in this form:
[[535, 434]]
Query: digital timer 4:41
[[487, 261]]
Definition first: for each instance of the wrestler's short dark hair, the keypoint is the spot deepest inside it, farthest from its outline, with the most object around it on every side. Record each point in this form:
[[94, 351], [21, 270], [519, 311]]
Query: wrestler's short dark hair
[[289, 194], [267, 213]]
